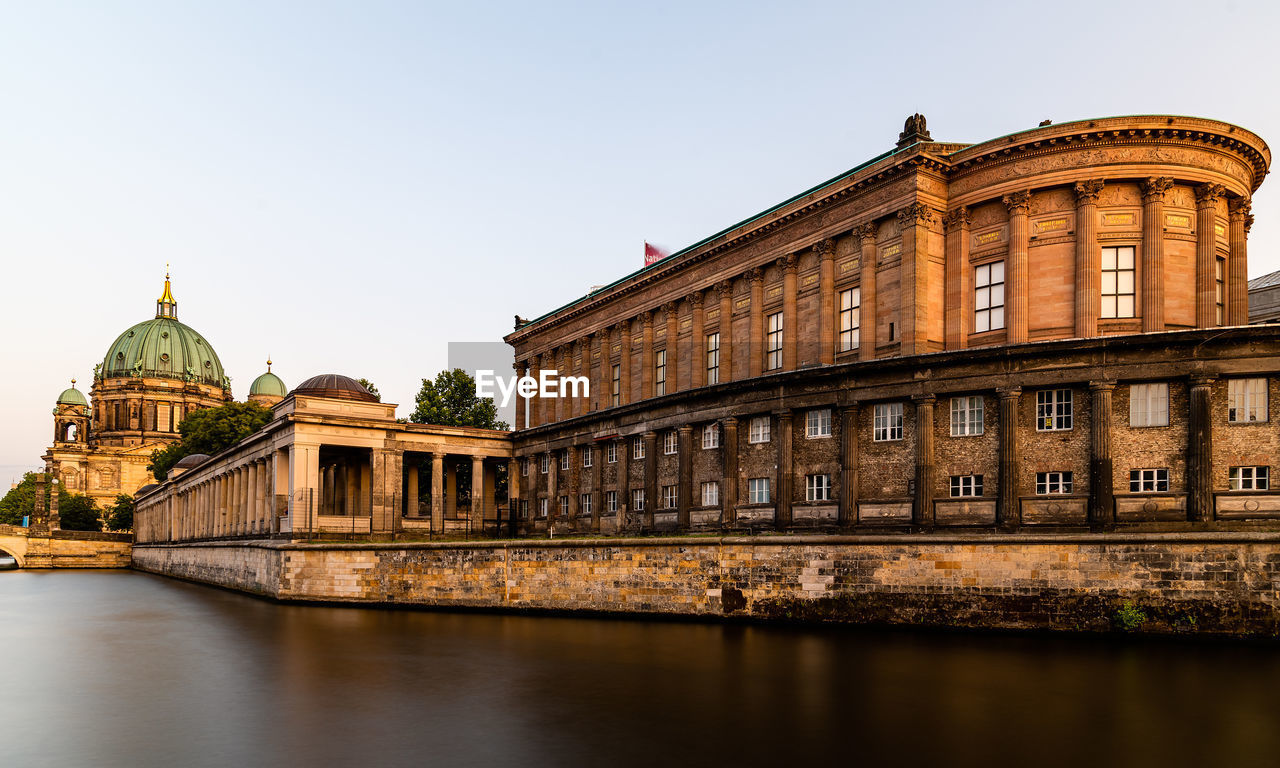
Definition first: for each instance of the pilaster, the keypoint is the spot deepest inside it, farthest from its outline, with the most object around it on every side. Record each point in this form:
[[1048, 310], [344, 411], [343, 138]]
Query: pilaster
[[1016, 299], [1088, 259], [1153, 192]]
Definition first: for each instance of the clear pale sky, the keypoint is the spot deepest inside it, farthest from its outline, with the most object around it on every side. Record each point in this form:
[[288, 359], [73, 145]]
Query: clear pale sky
[[349, 186]]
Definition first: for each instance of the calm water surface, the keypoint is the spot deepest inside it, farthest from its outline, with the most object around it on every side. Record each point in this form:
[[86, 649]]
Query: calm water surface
[[126, 669]]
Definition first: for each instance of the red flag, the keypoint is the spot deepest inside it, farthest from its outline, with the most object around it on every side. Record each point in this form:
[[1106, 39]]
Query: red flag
[[653, 253]]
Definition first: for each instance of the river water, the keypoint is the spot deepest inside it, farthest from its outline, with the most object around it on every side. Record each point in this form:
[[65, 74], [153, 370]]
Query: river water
[[126, 669]]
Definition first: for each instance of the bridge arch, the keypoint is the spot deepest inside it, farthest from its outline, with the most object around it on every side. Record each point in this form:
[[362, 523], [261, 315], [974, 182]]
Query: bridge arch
[[11, 551]]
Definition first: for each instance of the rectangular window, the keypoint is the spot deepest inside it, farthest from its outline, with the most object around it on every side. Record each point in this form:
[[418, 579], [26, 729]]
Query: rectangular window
[[759, 431], [966, 485], [1246, 400], [1053, 410], [758, 490], [1117, 282], [1048, 483], [713, 358], [1148, 480], [670, 442], [546, 463], [817, 423], [524, 467], [1250, 478], [542, 507], [637, 447], [613, 452], [668, 497], [611, 501], [524, 509], [1149, 405], [711, 494], [817, 487], [637, 500], [773, 343], [966, 415], [587, 457], [887, 422], [660, 372], [615, 391], [1219, 288], [564, 506], [584, 504], [711, 436], [988, 297], [850, 318], [564, 461]]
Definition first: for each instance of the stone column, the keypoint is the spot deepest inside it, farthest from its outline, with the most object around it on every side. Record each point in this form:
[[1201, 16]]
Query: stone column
[[684, 491], [625, 339], [1153, 191], [574, 483], [915, 220], [1207, 253], [922, 513], [956, 270], [597, 486], [726, 330], [848, 511], [583, 401], [1101, 477], [521, 369], [826, 251], [1008, 510], [1239, 222], [786, 472], [437, 492], [1200, 451], [788, 265], [672, 316], [650, 477], [477, 493], [386, 473], [513, 495], [38, 517], [604, 394], [729, 484], [755, 347], [697, 342], [867, 310], [646, 358], [564, 365], [1015, 296], [1088, 303], [553, 487]]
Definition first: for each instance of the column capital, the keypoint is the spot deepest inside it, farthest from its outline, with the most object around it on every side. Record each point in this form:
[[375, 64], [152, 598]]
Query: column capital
[[1087, 191], [1017, 202], [1153, 189], [867, 232], [957, 219], [649, 434], [669, 308], [916, 214], [1207, 195], [1239, 208], [730, 421], [694, 299], [755, 275], [826, 249], [646, 317], [725, 287], [924, 398], [787, 263], [1202, 379], [685, 430], [1101, 386], [849, 408], [783, 413], [1248, 223], [1008, 393]]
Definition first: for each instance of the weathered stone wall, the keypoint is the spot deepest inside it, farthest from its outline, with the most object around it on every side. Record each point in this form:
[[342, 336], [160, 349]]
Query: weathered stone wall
[[1192, 582], [41, 548]]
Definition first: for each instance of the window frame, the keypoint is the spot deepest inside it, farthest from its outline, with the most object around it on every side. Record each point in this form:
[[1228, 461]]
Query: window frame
[[1062, 480], [773, 342], [710, 436], [714, 487], [759, 430], [1158, 477], [713, 357], [1153, 397], [759, 490], [963, 414], [584, 504], [965, 486], [1118, 274], [988, 315], [587, 458], [659, 372], [1258, 479], [637, 447], [817, 487], [615, 393], [1050, 401], [1240, 396], [850, 319], [637, 499], [817, 423], [670, 443], [611, 453], [670, 495], [887, 423], [611, 501]]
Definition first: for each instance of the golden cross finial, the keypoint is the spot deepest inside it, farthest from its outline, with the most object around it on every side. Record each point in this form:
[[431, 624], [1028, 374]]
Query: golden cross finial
[[268, 363], [73, 383], [166, 270]]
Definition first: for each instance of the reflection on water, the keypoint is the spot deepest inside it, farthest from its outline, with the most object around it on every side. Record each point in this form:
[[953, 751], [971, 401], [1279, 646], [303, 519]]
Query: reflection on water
[[121, 668]]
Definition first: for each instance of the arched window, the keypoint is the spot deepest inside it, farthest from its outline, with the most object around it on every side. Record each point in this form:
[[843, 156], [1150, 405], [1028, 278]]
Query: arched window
[[69, 433]]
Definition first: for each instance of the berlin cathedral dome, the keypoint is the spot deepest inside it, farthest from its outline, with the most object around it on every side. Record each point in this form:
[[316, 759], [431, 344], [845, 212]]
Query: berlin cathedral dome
[[163, 348]]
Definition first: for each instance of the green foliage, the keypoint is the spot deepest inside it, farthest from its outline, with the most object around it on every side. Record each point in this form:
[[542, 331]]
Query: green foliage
[[78, 513], [451, 401], [120, 515], [21, 500], [369, 385], [1129, 617], [210, 430]]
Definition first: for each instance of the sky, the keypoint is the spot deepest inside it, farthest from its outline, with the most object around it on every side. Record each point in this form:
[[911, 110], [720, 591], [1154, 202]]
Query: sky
[[350, 186]]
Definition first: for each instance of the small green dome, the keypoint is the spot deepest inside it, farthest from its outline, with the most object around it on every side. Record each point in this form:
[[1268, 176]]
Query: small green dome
[[268, 384], [164, 348], [72, 396]]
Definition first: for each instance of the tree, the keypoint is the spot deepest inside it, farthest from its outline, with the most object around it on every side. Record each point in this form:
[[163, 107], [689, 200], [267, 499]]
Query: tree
[[78, 513], [451, 401], [210, 430], [20, 501], [120, 515], [373, 389]]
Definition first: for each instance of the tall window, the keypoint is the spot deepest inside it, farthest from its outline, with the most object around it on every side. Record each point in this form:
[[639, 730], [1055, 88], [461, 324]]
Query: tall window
[[613, 452], [1053, 410], [711, 436], [1048, 483], [817, 423], [1219, 289], [887, 422], [1246, 400], [758, 490], [668, 497], [1149, 405], [759, 430], [524, 467], [564, 506], [850, 320], [637, 447], [773, 343], [584, 504], [817, 487], [564, 461], [1149, 480], [546, 463], [713, 358], [966, 415], [587, 458], [1250, 478], [611, 501], [988, 297], [660, 372], [710, 494], [966, 485], [615, 386], [524, 509], [1117, 282], [542, 507], [669, 442], [637, 500]]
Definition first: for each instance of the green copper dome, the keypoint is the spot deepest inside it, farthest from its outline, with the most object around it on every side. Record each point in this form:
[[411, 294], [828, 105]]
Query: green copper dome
[[164, 348], [72, 396], [268, 384]]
